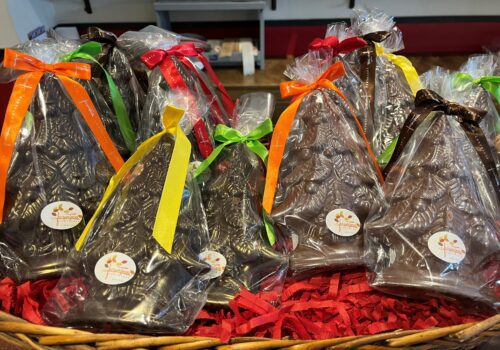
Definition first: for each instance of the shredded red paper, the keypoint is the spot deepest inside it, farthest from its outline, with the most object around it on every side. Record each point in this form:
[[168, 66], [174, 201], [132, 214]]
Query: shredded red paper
[[27, 299], [326, 306]]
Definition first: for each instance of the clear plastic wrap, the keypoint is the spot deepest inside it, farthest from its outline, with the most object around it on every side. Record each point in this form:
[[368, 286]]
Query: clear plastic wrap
[[58, 169], [232, 196], [453, 87], [117, 65], [438, 232], [474, 95], [122, 278], [327, 179], [387, 90]]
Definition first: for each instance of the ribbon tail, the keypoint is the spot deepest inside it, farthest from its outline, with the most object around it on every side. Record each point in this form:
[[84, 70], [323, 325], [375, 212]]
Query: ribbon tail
[[122, 116], [85, 106], [276, 150], [259, 149], [19, 102], [271, 235], [171, 197], [409, 71], [226, 99]]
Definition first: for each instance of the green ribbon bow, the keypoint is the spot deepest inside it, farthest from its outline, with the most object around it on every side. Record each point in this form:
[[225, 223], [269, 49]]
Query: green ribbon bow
[[489, 83], [228, 135], [87, 51]]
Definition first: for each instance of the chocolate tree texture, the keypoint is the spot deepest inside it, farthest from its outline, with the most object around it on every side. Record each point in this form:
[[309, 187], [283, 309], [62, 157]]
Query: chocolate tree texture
[[165, 292], [232, 197], [439, 232], [327, 180], [56, 158]]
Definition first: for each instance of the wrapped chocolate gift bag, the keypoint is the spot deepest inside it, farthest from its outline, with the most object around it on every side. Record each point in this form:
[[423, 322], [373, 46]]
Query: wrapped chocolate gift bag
[[438, 232], [137, 265], [233, 195], [321, 169], [55, 162], [389, 80]]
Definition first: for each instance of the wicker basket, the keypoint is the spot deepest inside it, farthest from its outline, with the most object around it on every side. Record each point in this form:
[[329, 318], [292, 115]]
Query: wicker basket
[[17, 334]]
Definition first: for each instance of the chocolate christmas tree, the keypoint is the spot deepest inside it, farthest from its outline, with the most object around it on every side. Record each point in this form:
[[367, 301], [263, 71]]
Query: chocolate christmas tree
[[440, 229], [56, 159], [158, 292], [232, 198], [327, 186]]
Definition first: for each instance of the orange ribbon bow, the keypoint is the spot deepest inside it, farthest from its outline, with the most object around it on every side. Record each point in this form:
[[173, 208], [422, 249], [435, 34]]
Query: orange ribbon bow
[[284, 124], [22, 95]]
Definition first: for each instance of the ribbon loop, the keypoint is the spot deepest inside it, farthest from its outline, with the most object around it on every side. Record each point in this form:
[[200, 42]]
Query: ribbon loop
[[21, 61], [294, 87], [489, 83], [429, 98], [99, 35], [376, 37], [228, 136], [182, 51], [338, 47]]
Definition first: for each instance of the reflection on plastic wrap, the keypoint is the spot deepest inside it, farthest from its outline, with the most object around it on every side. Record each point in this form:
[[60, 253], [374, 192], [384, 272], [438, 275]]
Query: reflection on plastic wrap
[[122, 279]]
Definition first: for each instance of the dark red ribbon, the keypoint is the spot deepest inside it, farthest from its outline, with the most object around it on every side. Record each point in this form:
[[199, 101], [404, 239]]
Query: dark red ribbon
[[163, 59], [338, 47]]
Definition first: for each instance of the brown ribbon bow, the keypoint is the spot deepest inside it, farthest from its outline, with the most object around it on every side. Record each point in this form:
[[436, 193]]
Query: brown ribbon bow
[[428, 101]]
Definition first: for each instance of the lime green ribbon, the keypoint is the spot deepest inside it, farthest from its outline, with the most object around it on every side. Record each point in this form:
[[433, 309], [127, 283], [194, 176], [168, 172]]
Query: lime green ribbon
[[385, 157], [489, 83], [87, 51], [228, 136]]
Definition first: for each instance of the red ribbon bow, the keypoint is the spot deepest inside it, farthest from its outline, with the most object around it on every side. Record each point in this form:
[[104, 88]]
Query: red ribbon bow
[[182, 51], [338, 47]]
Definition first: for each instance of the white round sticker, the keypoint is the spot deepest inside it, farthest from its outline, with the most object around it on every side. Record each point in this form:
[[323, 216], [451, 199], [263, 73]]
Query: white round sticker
[[115, 268], [217, 262], [447, 246], [343, 222], [61, 215]]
